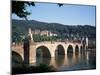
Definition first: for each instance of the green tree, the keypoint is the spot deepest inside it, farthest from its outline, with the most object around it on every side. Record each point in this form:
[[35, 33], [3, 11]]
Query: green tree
[[19, 8]]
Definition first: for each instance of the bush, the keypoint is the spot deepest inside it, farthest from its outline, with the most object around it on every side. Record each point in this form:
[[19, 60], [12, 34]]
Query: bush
[[24, 69]]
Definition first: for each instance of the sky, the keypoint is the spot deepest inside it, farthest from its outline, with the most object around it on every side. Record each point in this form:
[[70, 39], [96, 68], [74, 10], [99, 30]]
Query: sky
[[67, 14]]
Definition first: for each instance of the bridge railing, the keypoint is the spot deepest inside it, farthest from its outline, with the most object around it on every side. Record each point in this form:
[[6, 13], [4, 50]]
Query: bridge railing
[[51, 42], [16, 44]]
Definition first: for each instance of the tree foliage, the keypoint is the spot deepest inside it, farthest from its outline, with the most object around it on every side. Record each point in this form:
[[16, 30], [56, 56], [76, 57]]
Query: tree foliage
[[60, 4], [39, 38], [19, 8]]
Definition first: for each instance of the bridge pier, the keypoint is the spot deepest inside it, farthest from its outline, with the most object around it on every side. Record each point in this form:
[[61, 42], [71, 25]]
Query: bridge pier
[[32, 56], [26, 48], [79, 49], [73, 49], [52, 54]]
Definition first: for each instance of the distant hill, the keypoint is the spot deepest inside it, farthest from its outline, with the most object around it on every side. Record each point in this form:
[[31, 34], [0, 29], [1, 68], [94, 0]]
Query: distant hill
[[21, 27]]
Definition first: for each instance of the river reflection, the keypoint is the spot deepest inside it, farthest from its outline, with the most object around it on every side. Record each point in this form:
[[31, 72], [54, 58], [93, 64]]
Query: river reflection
[[76, 61]]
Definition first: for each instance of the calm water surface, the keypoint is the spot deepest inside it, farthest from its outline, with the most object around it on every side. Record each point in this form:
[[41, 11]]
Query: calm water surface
[[80, 61]]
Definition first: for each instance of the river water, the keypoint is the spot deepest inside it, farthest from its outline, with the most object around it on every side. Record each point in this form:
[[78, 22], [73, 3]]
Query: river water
[[81, 61]]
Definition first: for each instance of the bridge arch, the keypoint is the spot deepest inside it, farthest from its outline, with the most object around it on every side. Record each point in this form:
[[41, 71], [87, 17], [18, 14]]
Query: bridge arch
[[59, 50], [42, 51], [70, 51], [76, 49], [16, 59], [81, 48]]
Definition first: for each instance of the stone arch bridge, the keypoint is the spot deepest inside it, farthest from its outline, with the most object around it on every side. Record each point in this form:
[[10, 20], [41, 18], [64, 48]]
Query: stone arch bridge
[[45, 49]]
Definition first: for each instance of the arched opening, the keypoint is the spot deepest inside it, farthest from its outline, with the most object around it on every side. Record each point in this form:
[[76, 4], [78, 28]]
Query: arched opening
[[59, 55], [43, 55], [59, 60], [81, 49], [76, 50], [16, 59], [42, 51], [70, 51], [59, 50]]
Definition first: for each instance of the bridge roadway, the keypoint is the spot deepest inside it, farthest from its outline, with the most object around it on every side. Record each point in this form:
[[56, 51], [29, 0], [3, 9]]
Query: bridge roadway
[[47, 49]]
